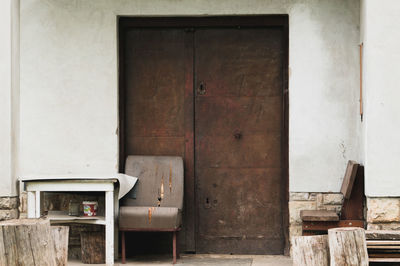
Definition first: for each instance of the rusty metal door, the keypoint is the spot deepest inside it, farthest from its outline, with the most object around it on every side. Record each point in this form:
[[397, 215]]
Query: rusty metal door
[[211, 92], [238, 140]]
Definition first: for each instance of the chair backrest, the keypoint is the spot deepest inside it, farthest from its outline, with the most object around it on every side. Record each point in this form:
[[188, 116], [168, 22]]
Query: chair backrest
[[160, 179], [349, 177]]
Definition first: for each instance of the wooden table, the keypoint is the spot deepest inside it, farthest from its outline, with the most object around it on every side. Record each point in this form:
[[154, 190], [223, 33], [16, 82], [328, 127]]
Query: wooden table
[[107, 185]]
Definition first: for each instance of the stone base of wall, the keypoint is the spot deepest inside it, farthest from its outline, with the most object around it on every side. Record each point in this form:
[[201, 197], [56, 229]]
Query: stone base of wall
[[310, 201], [9, 208], [383, 213]]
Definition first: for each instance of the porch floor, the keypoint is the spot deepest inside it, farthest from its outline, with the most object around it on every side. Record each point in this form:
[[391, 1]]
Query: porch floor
[[199, 259]]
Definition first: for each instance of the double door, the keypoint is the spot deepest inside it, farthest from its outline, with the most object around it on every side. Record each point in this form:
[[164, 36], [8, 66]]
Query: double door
[[213, 95]]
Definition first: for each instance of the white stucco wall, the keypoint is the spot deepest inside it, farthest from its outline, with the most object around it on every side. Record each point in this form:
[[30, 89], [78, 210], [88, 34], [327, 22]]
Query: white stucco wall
[[9, 76], [69, 112], [382, 114]]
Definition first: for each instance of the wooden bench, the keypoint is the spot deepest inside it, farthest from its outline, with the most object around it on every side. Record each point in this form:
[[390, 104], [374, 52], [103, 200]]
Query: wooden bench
[[352, 214], [383, 245]]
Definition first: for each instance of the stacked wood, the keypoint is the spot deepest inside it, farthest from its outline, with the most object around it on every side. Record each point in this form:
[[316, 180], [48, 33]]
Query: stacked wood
[[93, 247], [26, 242], [383, 245], [60, 236], [348, 247], [310, 250]]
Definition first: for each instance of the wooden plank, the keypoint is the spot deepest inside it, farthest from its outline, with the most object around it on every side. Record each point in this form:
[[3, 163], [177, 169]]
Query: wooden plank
[[353, 208], [383, 247], [349, 177], [382, 234], [109, 198], [61, 216], [319, 215], [31, 203], [383, 242], [383, 254], [67, 185], [323, 226], [384, 259]]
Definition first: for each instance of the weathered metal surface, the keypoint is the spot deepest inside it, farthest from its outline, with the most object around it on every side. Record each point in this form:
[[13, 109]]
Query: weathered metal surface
[[158, 99], [189, 212], [238, 143], [154, 99], [239, 85]]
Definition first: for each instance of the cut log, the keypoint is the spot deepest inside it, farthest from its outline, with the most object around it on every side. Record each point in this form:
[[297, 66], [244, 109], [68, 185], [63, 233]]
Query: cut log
[[310, 250], [26, 242], [348, 247], [93, 247], [60, 237]]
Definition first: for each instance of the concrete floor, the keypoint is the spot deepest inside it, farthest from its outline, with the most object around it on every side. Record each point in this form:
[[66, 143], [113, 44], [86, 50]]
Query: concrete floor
[[209, 260]]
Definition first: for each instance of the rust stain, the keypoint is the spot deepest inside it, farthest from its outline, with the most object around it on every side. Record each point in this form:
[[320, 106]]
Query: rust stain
[[150, 213], [162, 188], [170, 178]]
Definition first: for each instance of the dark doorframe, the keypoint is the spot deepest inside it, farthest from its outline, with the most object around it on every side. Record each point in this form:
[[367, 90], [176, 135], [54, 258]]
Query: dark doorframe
[[188, 23]]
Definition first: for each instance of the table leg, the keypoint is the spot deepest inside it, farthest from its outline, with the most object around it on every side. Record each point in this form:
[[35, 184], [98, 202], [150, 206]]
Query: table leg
[[31, 204], [116, 213], [109, 227], [37, 204]]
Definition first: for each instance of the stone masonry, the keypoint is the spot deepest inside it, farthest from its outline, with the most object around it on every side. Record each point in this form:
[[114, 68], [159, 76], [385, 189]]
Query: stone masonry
[[9, 208], [383, 213], [310, 201]]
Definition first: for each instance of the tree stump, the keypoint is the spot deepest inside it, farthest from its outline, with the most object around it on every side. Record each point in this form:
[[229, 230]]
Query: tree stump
[[93, 247], [26, 242], [348, 247], [60, 236], [310, 250]]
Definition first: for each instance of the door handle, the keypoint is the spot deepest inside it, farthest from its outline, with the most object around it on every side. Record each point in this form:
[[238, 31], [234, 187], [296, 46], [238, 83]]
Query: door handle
[[201, 90]]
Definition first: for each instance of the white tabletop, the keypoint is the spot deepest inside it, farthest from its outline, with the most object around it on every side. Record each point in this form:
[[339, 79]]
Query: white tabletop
[[126, 182]]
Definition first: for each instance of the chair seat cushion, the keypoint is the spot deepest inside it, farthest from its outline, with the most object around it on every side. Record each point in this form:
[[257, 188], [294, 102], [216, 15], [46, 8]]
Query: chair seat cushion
[[319, 216], [133, 217]]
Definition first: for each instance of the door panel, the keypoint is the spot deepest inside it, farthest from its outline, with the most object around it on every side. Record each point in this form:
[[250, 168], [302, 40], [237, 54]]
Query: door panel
[[155, 96], [238, 143], [158, 117]]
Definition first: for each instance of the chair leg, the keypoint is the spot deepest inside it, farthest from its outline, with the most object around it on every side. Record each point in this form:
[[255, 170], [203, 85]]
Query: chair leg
[[174, 247], [178, 256], [123, 247]]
